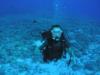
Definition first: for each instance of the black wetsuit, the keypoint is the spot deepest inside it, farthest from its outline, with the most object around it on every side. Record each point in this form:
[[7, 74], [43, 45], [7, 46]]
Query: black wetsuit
[[53, 49]]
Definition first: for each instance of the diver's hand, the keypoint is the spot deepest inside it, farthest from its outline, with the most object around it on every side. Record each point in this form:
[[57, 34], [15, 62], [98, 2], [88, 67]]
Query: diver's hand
[[37, 43]]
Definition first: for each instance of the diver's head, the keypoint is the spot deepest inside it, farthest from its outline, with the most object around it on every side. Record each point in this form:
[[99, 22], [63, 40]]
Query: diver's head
[[56, 32]]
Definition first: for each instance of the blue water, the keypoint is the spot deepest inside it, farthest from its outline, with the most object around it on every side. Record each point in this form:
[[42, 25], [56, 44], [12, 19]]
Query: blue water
[[19, 35], [84, 8]]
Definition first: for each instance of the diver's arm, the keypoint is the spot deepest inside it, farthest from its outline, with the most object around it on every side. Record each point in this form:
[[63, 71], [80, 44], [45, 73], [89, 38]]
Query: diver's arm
[[38, 43], [42, 45], [72, 55]]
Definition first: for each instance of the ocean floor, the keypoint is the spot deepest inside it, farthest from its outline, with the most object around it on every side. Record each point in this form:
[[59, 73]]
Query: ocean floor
[[18, 54]]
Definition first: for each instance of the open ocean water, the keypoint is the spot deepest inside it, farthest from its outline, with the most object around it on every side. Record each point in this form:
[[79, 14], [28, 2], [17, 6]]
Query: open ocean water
[[21, 23]]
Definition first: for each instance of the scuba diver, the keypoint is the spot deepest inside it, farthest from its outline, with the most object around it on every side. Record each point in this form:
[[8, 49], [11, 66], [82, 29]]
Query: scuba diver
[[54, 45]]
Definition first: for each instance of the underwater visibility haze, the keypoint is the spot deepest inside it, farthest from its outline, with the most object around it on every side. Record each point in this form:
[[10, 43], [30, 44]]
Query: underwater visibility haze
[[21, 24]]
